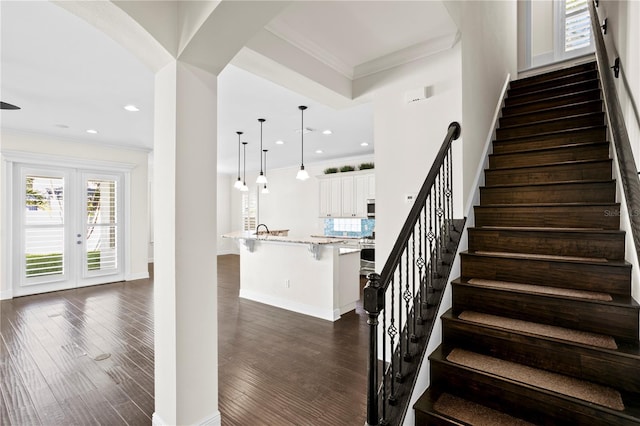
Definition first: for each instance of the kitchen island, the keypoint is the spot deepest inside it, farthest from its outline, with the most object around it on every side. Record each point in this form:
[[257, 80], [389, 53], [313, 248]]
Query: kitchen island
[[311, 275]]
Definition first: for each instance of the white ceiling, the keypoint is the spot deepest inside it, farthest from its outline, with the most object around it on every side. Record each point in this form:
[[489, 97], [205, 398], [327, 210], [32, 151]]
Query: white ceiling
[[64, 72]]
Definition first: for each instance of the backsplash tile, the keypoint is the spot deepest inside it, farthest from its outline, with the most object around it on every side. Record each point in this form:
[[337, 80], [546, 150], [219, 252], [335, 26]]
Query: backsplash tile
[[349, 227]]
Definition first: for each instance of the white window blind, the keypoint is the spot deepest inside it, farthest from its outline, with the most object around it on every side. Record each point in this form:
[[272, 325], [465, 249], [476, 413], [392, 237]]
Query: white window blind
[[249, 211], [577, 25], [44, 222], [101, 247]]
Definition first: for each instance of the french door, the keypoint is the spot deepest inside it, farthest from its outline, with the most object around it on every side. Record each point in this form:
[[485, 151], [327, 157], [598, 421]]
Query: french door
[[67, 228]]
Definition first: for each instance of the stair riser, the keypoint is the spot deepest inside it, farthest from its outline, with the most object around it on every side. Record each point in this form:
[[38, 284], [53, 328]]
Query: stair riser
[[591, 152], [553, 75], [577, 314], [572, 122], [432, 419], [548, 114], [554, 83], [578, 361], [597, 245], [599, 217], [519, 401], [551, 140], [604, 192], [558, 101], [551, 93], [580, 276], [600, 170]]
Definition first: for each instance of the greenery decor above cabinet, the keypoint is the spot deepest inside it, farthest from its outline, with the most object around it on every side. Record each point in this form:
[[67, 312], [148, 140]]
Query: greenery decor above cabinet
[[346, 195]]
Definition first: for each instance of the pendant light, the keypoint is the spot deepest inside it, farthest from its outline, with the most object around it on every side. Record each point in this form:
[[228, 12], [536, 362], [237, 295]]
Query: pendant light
[[261, 177], [302, 173], [244, 187], [238, 183], [265, 190]]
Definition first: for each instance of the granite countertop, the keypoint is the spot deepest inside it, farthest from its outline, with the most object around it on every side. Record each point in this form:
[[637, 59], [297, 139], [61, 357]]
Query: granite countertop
[[250, 235]]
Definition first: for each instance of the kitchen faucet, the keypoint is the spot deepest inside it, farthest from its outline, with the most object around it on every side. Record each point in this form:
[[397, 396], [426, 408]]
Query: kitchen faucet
[[258, 227]]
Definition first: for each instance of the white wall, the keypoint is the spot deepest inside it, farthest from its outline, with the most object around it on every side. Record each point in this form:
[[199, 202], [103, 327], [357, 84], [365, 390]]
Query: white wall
[[408, 137], [489, 54], [137, 253]]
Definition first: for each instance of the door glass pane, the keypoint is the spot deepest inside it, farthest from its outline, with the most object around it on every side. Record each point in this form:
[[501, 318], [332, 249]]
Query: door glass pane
[[101, 248], [44, 226]]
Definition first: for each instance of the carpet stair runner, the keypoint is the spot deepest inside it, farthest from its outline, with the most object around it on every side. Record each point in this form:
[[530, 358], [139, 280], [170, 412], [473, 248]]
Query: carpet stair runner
[[543, 328]]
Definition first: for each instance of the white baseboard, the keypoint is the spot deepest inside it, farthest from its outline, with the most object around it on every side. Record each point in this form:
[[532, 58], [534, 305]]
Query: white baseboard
[[346, 308], [213, 420], [301, 308], [6, 294], [137, 276]]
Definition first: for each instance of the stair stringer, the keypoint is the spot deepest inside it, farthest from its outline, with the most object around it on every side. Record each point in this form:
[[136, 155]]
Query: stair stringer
[[423, 377], [630, 252]]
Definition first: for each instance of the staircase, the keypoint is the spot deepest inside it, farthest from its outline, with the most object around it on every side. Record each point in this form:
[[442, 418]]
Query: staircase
[[543, 328]]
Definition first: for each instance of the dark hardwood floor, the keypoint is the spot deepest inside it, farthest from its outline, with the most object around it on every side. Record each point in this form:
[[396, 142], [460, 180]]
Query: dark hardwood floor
[[85, 356]]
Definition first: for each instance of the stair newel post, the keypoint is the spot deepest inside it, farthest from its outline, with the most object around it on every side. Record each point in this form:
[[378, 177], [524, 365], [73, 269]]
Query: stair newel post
[[373, 305]]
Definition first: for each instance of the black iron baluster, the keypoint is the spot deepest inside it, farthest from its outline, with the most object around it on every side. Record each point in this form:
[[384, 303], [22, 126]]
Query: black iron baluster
[[400, 299], [450, 193], [407, 298], [392, 334], [385, 369], [420, 263]]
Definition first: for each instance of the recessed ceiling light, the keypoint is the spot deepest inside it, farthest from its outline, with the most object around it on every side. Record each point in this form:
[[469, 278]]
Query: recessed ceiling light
[[92, 131], [131, 108], [318, 151], [279, 142], [364, 144], [327, 132]]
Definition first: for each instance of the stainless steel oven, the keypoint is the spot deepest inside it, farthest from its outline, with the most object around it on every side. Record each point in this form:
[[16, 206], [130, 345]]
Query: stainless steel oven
[[371, 208]]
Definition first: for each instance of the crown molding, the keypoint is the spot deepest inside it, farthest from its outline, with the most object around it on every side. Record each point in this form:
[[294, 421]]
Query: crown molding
[[312, 49], [406, 55]]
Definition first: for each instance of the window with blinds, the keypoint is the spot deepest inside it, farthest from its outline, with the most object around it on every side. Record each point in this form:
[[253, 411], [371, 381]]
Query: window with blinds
[[44, 222], [577, 25], [101, 248], [249, 211]]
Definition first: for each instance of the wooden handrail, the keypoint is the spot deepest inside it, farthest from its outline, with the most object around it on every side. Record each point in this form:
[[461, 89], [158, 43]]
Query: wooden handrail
[[621, 142], [453, 133]]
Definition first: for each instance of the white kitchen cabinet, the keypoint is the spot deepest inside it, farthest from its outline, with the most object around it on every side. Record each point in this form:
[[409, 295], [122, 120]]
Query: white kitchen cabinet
[[331, 197], [346, 196]]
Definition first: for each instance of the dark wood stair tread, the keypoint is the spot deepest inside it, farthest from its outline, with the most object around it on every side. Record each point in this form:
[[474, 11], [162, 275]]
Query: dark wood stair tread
[[563, 132], [537, 378], [549, 121], [537, 105], [451, 409], [550, 150], [547, 229], [550, 258], [551, 75], [585, 163], [594, 297], [558, 111], [537, 86], [553, 91], [540, 405], [547, 184]]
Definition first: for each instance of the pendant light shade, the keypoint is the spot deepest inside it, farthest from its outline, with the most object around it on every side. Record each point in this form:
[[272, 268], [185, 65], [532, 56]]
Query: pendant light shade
[[261, 177], [302, 173], [238, 183], [265, 190], [244, 187]]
